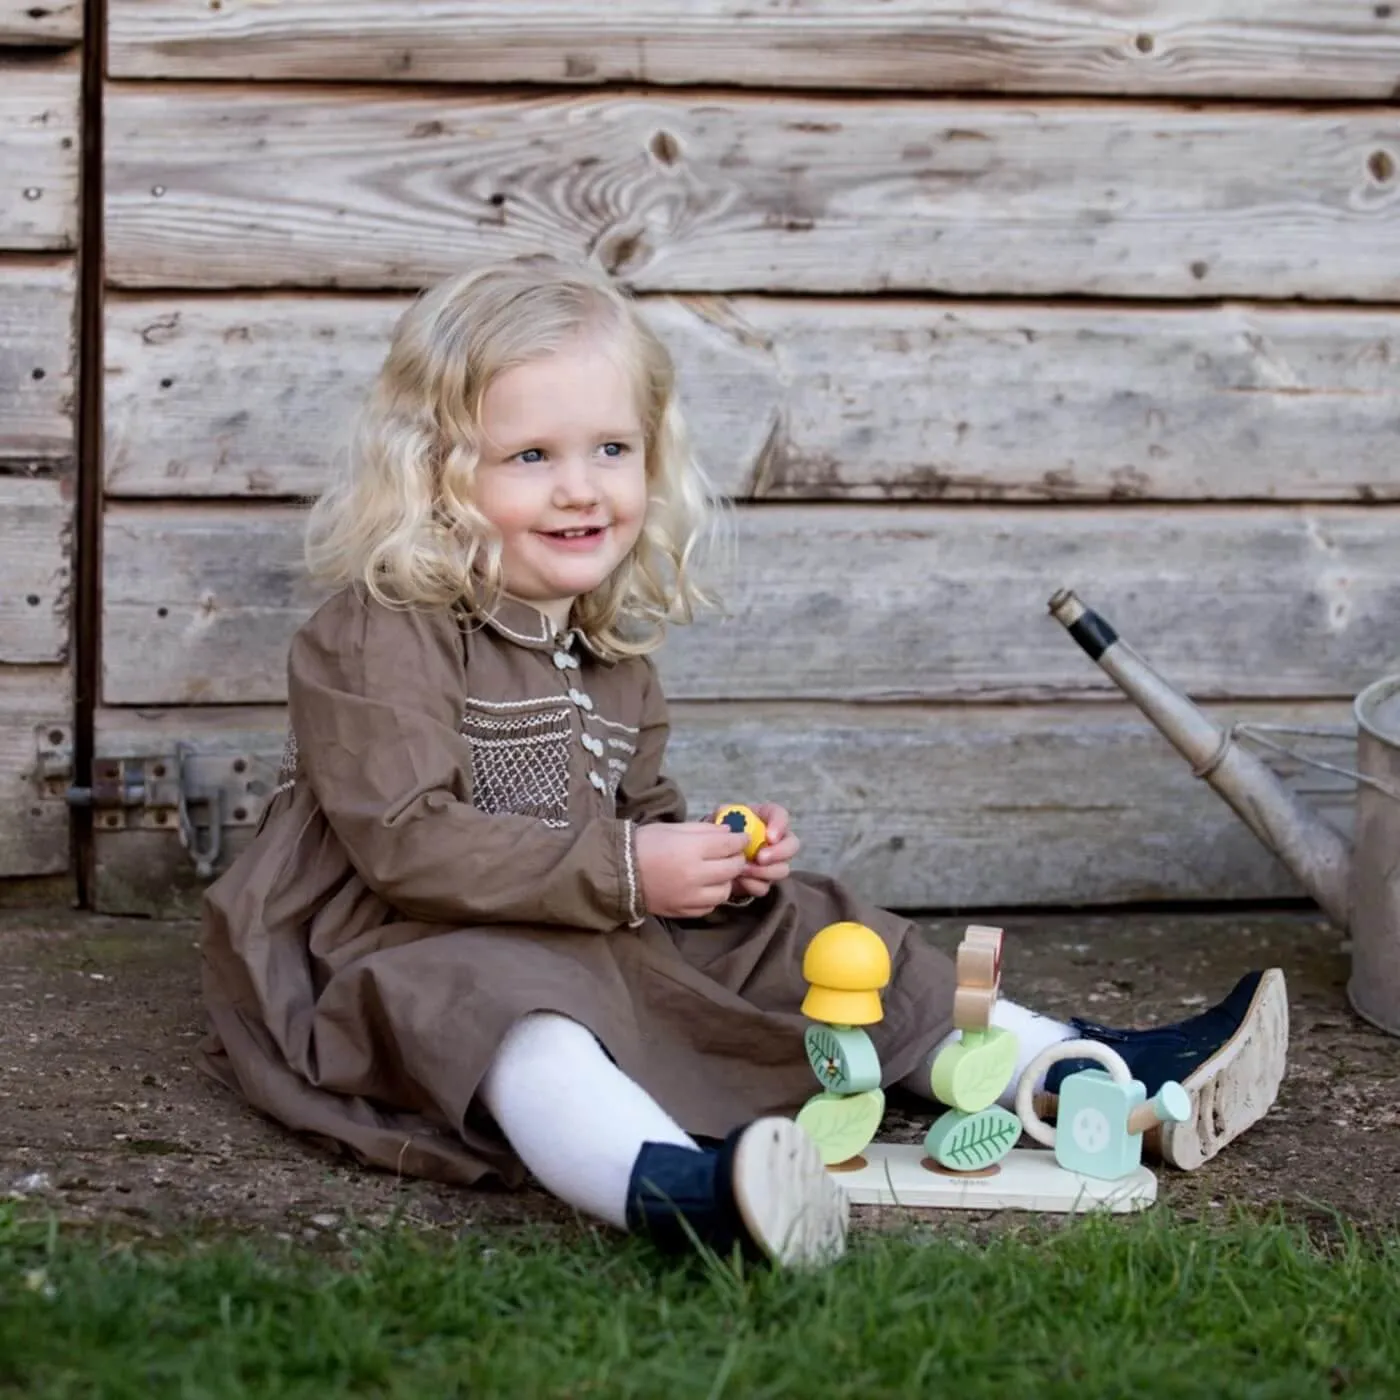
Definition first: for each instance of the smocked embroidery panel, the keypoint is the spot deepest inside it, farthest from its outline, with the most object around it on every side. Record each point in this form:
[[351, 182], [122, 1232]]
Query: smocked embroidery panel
[[520, 757]]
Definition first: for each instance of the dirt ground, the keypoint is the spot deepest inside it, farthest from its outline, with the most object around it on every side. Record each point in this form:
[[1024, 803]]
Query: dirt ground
[[103, 1115]]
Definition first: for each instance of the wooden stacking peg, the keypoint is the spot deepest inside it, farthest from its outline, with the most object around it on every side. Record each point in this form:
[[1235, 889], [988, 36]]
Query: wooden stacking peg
[[969, 1074], [979, 977], [977, 967], [987, 937], [972, 1008]]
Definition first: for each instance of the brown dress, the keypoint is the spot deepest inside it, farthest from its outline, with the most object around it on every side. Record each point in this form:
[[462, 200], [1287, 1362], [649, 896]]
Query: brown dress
[[451, 846]]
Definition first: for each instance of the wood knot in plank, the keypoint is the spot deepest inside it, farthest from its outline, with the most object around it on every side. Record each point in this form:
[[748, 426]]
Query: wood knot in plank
[[665, 148]]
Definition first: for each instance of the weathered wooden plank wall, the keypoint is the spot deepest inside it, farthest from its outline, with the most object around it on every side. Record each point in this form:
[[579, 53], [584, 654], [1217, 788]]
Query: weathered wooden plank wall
[[1144, 342], [50, 24], [1287, 48], [821, 399], [723, 193], [900, 603], [40, 86], [891, 797]]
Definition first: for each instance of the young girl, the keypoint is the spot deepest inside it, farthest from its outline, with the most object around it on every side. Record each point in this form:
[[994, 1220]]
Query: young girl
[[476, 933]]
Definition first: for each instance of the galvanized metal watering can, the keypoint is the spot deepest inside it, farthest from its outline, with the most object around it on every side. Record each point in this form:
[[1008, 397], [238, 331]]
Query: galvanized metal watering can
[[1357, 885]]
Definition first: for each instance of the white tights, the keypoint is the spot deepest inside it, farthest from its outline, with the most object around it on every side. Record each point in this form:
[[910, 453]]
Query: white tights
[[573, 1117], [578, 1122]]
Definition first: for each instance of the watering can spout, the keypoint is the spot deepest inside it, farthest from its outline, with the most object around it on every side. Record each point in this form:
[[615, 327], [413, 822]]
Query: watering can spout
[[1318, 856]]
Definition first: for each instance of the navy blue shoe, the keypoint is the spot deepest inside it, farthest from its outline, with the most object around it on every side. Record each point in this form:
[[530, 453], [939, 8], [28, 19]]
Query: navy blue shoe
[[1230, 1059], [764, 1190]]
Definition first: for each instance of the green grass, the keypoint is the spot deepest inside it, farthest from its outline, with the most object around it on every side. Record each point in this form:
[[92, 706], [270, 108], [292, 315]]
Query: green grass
[[1146, 1307]]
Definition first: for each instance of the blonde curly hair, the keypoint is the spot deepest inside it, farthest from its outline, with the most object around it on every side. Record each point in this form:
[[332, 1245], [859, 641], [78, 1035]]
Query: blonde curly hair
[[399, 517]]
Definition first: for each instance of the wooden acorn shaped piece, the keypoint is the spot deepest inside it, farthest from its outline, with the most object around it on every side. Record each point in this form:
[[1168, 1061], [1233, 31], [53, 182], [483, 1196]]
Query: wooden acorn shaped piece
[[846, 967]]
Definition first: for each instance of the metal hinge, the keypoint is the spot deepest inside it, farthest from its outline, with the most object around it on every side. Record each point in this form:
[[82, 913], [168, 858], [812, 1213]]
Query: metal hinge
[[195, 795]]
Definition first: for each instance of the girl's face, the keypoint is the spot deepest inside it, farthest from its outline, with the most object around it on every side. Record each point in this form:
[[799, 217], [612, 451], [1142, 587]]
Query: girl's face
[[562, 475]]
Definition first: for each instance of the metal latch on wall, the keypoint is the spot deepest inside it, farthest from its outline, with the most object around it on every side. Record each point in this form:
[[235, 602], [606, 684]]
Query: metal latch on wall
[[196, 795]]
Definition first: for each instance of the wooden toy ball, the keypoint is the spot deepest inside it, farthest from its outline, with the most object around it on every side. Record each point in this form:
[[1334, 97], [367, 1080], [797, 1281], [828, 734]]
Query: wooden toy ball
[[846, 965], [1101, 1117], [743, 821]]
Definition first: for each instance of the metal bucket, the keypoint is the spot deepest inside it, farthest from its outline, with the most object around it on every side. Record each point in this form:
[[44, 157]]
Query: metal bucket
[[1374, 989]]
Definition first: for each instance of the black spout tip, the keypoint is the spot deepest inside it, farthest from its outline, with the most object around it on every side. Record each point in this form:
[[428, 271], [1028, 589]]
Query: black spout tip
[[1083, 624]]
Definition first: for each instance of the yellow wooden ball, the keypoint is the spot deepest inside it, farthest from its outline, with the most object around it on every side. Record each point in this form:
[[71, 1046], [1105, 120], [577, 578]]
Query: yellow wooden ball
[[744, 821]]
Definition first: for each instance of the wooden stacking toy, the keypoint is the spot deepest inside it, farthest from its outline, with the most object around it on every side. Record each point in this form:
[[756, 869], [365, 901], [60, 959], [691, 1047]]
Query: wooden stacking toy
[[969, 1159], [973, 1072], [846, 966]]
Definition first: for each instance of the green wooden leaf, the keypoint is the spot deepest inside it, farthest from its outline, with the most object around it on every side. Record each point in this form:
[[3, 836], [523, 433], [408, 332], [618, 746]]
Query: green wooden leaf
[[842, 1125], [970, 1141], [971, 1073], [843, 1058]]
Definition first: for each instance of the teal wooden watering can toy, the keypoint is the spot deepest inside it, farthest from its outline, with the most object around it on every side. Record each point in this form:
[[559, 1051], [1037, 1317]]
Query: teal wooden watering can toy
[[1102, 1113]]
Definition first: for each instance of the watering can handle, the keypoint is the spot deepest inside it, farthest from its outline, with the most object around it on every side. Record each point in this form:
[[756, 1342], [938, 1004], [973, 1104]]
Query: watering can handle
[[1036, 1126]]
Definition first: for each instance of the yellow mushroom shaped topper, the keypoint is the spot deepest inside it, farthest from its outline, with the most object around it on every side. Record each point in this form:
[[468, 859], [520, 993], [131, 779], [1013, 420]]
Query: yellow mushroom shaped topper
[[743, 821], [846, 965]]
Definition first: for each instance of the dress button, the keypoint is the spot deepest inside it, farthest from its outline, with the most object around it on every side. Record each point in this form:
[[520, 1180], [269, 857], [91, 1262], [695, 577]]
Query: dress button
[[562, 660], [594, 746], [584, 702], [598, 781]]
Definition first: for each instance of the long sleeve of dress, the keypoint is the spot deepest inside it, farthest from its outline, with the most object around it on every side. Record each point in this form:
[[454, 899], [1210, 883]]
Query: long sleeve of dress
[[375, 698], [646, 794]]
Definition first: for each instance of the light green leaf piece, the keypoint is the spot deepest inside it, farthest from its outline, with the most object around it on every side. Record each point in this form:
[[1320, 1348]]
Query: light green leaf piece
[[966, 1142], [842, 1125], [843, 1058], [971, 1073]]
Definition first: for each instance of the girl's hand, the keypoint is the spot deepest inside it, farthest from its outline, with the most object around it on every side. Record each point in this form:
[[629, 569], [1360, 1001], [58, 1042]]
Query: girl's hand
[[687, 869], [774, 860]]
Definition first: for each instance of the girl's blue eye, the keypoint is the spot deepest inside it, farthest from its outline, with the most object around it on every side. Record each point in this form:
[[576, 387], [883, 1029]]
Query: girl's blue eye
[[614, 449], [530, 454]]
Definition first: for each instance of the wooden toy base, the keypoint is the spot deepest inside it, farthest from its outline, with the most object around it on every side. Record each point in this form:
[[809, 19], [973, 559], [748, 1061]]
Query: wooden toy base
[[1029, 1179]]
